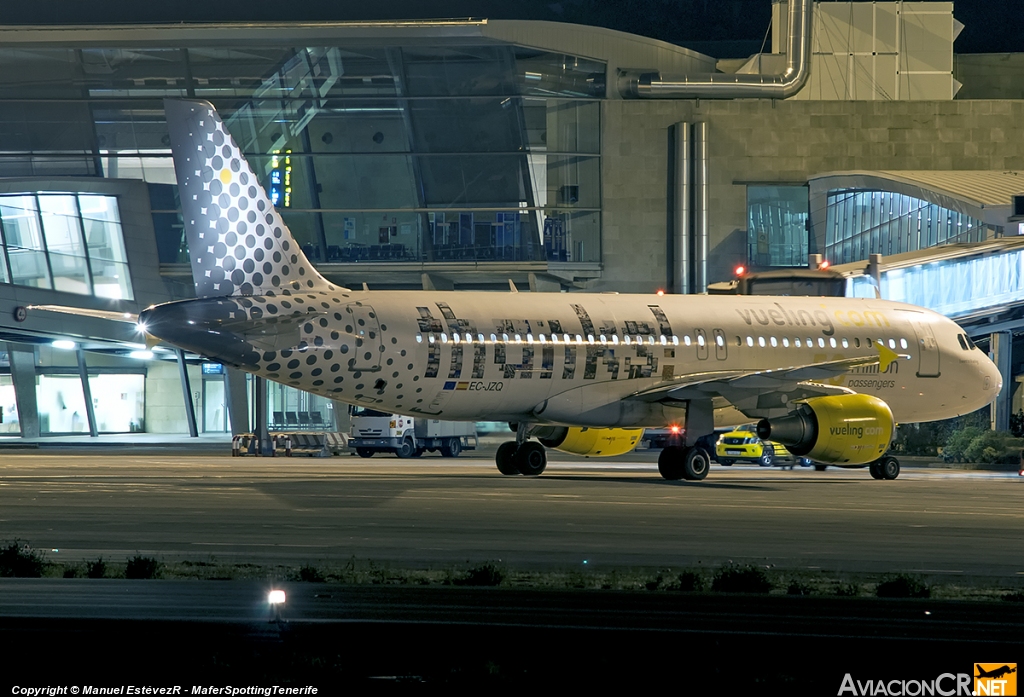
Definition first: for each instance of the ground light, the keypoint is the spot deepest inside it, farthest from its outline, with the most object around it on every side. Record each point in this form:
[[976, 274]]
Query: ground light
[[276, 601]]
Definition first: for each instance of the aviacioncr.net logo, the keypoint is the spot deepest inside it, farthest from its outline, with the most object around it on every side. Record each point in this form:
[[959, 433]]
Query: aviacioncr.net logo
[[944, 685], [995, 679]]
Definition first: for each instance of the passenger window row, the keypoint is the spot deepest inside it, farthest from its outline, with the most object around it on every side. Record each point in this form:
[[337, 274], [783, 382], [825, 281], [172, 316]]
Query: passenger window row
[[638, 340], [651, 340], [822, 342]]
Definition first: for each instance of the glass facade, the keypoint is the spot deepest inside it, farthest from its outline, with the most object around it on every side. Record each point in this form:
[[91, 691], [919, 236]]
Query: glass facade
[[9, 422], [392, 154], [777, 226], [118, 403], [67, 242], [860, 223], [290, 409]]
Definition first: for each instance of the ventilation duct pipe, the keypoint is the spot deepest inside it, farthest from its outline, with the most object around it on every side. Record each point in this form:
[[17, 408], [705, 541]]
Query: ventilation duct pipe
[[690, 207], [736, 86], [681, 209]]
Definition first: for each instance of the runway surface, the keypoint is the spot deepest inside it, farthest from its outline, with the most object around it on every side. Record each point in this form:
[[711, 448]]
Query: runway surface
[[578, 514]]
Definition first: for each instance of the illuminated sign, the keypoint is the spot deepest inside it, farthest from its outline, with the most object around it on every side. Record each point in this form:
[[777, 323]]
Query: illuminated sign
[[281, 179]]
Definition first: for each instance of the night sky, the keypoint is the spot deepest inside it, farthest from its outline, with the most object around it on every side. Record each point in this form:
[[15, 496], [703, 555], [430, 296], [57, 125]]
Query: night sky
[[991, 25]]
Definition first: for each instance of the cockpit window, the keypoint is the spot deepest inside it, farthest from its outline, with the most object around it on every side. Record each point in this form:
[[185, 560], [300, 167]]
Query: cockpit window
[[969, 342], [963, 344]]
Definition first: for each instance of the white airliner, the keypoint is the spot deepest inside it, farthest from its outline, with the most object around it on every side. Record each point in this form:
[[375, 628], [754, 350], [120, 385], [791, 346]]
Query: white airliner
[[828, 377]]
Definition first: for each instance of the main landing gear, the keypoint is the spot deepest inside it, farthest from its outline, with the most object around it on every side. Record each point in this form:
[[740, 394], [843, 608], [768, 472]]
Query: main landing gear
[[886, 467], [521, 456], [529, 458], [684, 462]]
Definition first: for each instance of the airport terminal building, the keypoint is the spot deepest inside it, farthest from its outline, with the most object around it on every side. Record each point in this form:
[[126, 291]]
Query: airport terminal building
[[461, 154]]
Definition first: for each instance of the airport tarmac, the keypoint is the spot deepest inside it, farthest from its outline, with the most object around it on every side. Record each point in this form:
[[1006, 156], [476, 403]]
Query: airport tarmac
[[434, 512]]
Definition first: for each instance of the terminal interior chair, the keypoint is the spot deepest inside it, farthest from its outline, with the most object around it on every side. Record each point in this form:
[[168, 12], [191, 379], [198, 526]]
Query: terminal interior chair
[[304, 419], [290, 419], [278, 419], [316, 419]]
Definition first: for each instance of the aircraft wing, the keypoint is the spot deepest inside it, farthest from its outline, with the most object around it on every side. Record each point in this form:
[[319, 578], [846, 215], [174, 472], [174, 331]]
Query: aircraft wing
[[765, 393]]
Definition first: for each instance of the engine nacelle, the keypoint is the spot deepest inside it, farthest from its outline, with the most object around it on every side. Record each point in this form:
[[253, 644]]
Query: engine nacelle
[[593, 442], [850, 429]]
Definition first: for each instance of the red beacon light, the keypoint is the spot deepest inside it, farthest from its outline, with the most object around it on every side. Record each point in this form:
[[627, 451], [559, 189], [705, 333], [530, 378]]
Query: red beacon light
[[660, 292], [674, 429], [824, 264], [740, 270]]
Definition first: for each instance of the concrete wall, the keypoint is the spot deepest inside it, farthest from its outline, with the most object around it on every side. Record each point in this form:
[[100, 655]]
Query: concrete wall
[[990, 75], [165, 407], [754, 141]]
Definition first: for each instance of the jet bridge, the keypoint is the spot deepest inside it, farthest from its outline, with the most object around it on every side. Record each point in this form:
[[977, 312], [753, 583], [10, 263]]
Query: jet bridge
[[979, 285]]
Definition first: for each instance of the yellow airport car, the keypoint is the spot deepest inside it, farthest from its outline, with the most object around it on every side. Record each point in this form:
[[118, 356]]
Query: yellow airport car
[[745, 446]]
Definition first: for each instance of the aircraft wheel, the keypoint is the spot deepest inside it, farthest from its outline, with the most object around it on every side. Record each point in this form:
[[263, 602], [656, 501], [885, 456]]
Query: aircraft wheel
[[452, 448], [365, 452], [670, 462], [506, 458], [696, 464], [889, 467], [406, 449], [875, 469], [531, 458]]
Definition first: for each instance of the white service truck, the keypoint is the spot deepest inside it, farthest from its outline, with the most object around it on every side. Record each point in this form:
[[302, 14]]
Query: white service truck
[[379, 432]]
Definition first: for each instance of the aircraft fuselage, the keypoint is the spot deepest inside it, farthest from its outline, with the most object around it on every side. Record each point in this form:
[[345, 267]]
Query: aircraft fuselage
[[502, 356]]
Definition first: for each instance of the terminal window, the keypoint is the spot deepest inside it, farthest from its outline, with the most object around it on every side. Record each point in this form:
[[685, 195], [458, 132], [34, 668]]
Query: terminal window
[[68, 242]]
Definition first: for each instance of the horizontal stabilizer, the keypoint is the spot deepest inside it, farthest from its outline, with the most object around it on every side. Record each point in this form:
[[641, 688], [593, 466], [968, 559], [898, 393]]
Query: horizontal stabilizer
[[85, 312]]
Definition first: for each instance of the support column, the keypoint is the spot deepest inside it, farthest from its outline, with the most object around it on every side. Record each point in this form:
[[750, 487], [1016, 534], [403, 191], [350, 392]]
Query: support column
[[342, 420], [23, 373], [259, 411], [83, 374], [237, 399], [186, 388], [1002, 350]]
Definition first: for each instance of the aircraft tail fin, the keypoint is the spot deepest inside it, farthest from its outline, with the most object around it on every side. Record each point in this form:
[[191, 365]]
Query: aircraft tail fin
[[238, 242]]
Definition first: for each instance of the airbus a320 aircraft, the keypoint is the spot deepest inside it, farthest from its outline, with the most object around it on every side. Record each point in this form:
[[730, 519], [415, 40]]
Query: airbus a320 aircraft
[[583, 373]]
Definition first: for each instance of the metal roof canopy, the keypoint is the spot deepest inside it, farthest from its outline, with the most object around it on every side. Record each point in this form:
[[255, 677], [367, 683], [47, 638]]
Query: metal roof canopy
[[982, 194], [615, 48]]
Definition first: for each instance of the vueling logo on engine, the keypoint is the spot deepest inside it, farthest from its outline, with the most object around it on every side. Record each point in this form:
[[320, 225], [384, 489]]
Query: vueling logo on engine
[[859, 431]]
